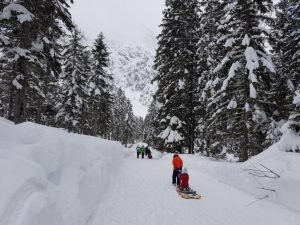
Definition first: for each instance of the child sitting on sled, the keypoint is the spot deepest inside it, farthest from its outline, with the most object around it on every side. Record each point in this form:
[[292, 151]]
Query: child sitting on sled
[[184, 189], [184, 180]]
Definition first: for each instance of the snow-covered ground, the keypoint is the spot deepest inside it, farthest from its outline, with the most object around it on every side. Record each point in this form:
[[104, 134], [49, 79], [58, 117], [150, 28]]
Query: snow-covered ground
[[50, 177], [143, 193]]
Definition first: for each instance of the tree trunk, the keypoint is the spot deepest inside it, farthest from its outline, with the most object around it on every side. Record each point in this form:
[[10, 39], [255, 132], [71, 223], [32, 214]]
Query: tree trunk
[[22, 69], [245, 148], [11, 103], [20, 106]]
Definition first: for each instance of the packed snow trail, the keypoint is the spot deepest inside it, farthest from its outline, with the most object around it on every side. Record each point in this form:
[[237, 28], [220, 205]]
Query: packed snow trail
[[142, 194], [52, 177]]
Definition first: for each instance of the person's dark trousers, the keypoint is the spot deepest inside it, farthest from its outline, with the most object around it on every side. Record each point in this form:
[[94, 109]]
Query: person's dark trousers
[[175, 179], [138, 154], [143, 155]]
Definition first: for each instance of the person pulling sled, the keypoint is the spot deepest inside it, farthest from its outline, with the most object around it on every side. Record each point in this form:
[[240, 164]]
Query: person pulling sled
[[177, 167]]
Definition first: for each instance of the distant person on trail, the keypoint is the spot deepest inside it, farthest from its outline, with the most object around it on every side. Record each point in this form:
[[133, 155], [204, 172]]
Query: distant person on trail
[[184, 180], [177, 167], [148, 152], [138, 151], [142, 151]]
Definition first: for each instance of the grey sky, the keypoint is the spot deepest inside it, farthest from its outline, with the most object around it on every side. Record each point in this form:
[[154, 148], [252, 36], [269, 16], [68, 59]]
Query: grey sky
[[128, 19], [119, 19]]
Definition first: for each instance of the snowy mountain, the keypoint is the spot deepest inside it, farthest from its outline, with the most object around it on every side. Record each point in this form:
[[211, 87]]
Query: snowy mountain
[[132, 68], [130, 28]]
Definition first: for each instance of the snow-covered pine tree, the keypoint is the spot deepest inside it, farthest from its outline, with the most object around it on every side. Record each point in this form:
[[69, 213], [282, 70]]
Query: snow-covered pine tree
[[74, 78], [84, 124], [177, 77], [100, 101], [139, 129], [209, 54], [29, 30], [118, 115], [242, 103], [151, 132], [289, 50], [123, 122], [129, 124]]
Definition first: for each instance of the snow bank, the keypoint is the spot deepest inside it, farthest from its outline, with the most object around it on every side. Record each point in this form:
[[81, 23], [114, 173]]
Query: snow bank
[[49, 176], [254, 177]]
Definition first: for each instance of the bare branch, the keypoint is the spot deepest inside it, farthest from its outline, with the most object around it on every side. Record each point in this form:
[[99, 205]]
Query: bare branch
[[262, 175], [256, 170], [270, 170], [259, 199], [267, 189]]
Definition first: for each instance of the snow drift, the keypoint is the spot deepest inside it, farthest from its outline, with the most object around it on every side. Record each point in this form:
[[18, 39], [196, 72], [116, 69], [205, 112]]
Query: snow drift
[[272, 175], [49, 176]]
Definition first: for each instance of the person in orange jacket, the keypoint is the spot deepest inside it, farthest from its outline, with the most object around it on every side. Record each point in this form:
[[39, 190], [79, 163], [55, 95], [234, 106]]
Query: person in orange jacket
[[177, 167]]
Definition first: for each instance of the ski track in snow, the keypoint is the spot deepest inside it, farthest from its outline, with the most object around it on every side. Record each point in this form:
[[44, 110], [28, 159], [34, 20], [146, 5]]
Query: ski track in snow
[[17, 208], [142, 194]]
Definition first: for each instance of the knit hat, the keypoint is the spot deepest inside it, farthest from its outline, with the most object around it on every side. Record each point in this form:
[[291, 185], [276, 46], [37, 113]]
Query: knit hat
[[184, 170]]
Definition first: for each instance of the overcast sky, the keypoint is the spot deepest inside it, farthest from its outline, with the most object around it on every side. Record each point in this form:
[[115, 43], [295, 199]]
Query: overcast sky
[[118, 18]]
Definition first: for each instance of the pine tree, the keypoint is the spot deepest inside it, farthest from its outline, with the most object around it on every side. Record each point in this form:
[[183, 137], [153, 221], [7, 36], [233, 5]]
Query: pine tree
[[123, 120], [139, 129], [74, 78], [241, 106], [151, 131], [209, 54], [176, 63], [100, 83], [288, 25], [29, 31]]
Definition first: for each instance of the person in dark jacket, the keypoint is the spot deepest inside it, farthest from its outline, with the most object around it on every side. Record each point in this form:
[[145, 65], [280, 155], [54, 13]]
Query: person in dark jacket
[[138, 152], [148, 152]]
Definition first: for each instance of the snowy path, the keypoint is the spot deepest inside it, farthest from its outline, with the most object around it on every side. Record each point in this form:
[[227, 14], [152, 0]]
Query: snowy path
[[142, 194]]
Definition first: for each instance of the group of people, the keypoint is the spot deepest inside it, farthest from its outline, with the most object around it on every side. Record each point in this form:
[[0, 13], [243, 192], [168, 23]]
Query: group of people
[[141, 150], [180, 174], [180, 177]]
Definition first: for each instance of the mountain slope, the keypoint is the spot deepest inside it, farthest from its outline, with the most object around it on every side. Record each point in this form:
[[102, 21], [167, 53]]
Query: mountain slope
[[132, 68], [130, 28]]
